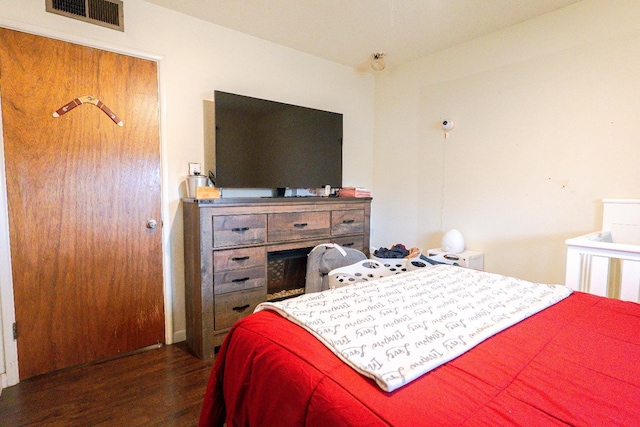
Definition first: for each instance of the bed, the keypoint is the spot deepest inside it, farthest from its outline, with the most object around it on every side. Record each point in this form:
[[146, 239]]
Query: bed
[[574, 362]]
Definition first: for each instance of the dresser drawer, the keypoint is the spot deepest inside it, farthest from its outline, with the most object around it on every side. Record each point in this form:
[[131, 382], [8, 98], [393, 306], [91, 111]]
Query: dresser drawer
[[238, 230], [347, 222], [298, 225], [353, 242], [239, 280], [233, 259], [231, 307]]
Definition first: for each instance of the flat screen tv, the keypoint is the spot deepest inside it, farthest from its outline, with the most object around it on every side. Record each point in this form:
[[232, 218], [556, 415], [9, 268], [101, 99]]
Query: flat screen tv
[[267, 144]]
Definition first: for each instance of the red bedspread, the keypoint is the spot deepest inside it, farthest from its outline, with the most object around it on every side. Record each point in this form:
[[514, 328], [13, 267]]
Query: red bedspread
[[576, 363]]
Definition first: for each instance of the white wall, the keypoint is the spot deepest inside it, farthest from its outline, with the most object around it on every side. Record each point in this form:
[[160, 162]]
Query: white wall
[[546, 125], [196, 59]]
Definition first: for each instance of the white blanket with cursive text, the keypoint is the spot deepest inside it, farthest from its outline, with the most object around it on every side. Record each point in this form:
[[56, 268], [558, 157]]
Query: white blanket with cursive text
[[400, 327]]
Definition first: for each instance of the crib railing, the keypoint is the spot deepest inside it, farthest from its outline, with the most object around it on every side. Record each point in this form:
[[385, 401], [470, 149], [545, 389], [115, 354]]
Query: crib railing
[[599, 267]]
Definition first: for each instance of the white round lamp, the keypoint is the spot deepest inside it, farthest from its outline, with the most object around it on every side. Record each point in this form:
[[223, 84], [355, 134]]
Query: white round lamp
[[452, 242]]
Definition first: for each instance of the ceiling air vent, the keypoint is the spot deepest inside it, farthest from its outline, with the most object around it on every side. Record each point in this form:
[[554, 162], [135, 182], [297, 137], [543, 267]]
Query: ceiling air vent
[[106, 13]]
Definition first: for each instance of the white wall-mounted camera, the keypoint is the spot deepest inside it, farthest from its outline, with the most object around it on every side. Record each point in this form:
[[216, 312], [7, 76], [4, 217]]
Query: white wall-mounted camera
[[447, 125]]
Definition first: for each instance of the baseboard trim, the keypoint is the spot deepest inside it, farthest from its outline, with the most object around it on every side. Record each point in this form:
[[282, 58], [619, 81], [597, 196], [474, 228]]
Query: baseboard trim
[[4, 382]]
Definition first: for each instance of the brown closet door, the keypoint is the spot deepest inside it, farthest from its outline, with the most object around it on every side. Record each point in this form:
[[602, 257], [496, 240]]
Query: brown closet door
[[87, 271]]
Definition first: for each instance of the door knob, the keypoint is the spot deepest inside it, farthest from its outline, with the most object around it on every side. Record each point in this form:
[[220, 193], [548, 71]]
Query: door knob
[[152, 224]]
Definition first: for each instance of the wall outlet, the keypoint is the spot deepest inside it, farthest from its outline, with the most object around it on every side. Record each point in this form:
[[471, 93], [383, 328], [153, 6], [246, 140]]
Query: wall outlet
[[195, 169]]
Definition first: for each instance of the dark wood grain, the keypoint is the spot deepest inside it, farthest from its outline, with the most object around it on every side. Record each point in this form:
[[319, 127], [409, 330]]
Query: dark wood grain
[[233, 306], [352, 242], [298, 225], [239, 258], [213, 300], [235, 230], [347, 222], [159, 387]]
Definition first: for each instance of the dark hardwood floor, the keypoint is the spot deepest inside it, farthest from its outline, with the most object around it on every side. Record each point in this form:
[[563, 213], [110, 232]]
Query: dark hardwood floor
[[159, 387]]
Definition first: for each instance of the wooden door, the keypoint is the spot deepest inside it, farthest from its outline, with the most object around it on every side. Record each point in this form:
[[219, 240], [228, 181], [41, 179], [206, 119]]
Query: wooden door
[[87, 272]]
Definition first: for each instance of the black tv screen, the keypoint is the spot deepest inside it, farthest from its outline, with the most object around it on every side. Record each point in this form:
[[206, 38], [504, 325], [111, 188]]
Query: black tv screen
[[267, 144]]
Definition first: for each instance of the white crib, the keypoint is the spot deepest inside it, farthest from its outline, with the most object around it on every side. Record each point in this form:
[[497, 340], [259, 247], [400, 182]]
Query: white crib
[[607, 263]]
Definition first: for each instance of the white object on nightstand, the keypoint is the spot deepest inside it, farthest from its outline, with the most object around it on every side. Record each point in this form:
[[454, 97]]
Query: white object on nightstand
[[452, 242], [469, 259]]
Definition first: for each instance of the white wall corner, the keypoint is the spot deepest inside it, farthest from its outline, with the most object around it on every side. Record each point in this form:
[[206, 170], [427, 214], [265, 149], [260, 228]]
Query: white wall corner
[[179, 336]]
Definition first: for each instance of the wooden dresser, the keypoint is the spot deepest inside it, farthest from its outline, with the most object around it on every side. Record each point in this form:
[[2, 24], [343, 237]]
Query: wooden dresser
[[226, 247]]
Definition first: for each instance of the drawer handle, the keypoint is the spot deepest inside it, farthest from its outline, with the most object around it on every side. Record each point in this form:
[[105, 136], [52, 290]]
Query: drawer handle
[[240, 258], [240, 229], [241, 308], [244, 279], [348, 221], [348, 245], [300, 225]]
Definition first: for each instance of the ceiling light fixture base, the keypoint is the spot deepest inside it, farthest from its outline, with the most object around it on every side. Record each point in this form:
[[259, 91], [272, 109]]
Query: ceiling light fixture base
[[377, 63]]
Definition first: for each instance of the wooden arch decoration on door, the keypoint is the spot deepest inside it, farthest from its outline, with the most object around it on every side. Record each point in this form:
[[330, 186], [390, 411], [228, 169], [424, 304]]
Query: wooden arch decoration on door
[[89, 100]]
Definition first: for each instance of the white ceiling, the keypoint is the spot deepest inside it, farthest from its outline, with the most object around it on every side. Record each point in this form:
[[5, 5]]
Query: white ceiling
[[350, 31]]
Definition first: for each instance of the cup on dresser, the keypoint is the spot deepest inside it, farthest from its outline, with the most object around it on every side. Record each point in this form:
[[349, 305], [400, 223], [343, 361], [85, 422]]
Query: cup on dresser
[[193, 182]]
